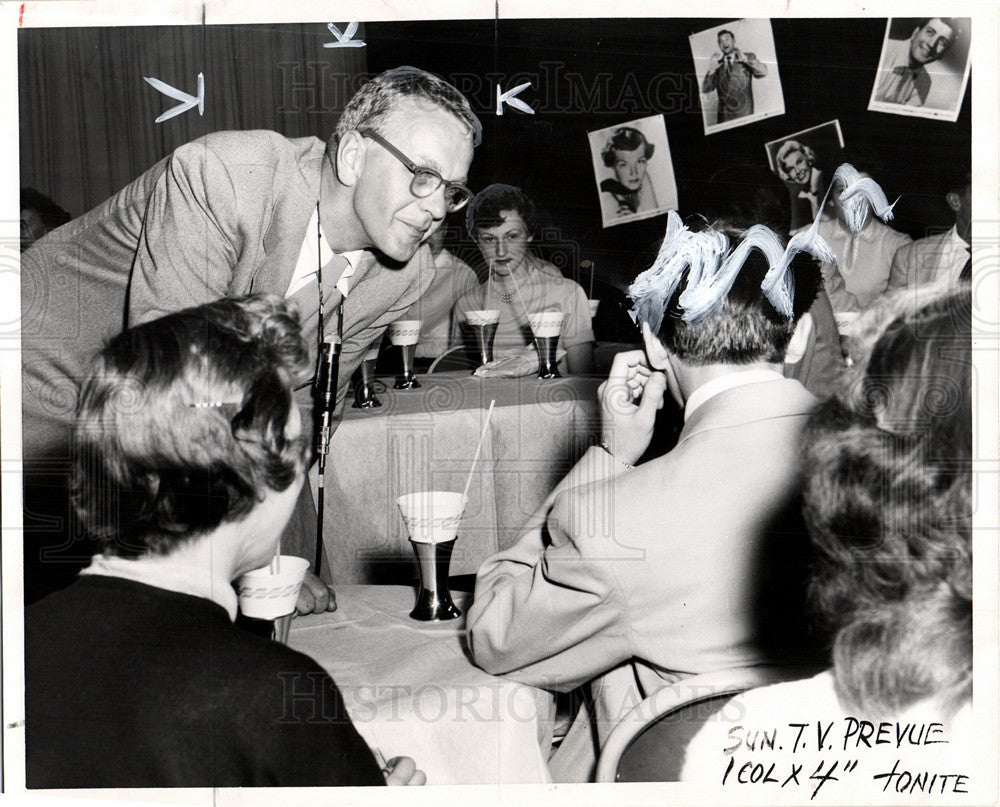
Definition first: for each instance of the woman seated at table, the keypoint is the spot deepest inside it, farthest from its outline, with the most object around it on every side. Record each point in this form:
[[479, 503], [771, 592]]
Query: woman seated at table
[[888, 503], [501, 220], [190, 452]]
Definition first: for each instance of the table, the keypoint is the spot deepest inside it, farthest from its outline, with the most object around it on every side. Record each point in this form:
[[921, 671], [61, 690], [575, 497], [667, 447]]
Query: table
[[410, 689], [425, 440]]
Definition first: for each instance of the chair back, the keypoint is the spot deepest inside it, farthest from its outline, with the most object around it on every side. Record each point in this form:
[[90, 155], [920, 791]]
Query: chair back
[[648, 744]]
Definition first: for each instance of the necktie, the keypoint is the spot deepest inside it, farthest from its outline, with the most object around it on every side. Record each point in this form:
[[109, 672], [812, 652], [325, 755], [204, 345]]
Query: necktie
[[904, 86], [308, 297], [331, 295]]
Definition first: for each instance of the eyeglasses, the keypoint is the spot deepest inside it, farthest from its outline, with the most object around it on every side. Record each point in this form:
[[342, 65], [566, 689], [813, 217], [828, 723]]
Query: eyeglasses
[[425, 180]]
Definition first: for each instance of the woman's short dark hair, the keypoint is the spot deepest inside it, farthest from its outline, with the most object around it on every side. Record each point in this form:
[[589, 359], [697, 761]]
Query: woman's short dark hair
[[625, 138], [49, 212], [888, 504], [181, 424], [486, 208], [745, 328]]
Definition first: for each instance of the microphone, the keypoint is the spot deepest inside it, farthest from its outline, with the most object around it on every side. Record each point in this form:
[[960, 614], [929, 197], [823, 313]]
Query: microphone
[[325, 393]]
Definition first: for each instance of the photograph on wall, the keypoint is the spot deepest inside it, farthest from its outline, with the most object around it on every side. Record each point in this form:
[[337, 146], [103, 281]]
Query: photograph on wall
[[737, 69], [493, 543], [633, 170], [924, 67], [804, 161]]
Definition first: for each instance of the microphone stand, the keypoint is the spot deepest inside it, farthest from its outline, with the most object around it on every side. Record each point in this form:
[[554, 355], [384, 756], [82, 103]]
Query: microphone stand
[[325, 394]]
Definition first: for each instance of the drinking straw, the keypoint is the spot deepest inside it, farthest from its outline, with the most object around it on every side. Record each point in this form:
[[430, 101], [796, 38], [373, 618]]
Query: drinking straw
[[276, 562], [479, 448], [520, 299], [590, 294], [489, 285]]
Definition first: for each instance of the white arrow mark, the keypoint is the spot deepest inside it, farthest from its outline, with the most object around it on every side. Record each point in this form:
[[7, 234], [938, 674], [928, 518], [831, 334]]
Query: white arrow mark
[[189, 101], [508, 97], [344, 39]]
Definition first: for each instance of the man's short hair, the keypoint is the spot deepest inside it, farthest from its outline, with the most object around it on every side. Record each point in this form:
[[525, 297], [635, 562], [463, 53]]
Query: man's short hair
[[726, 31], [958, 179], [951, 22], [486, 208], [625, 138], [377, 98], [745, 328], [181, 424]]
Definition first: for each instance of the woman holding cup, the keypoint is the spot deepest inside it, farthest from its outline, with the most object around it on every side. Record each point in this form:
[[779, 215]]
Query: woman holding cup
[[519, 284], [190, 453]]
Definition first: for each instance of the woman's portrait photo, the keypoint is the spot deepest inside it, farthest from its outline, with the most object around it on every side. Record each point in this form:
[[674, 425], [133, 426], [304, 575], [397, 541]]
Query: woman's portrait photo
[[802, 161], [633, 170]]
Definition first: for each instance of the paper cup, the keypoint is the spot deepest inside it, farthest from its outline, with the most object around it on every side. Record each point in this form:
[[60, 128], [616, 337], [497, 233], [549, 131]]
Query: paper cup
[[593, 307], [268, 596], [484, 316], [432, 516], [546, 323], [405, 332]]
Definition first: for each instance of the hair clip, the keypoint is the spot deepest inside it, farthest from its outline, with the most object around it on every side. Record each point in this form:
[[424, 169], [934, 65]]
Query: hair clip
[[212, 404]]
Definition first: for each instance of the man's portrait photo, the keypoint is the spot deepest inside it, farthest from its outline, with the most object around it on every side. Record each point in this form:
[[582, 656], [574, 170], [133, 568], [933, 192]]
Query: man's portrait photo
[[737, 70], [924, 67], [633, 170], [804, 161]]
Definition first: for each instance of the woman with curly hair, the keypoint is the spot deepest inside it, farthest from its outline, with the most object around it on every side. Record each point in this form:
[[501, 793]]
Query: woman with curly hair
[[626, 153], [888, 503], [190, 453], [796, 163]]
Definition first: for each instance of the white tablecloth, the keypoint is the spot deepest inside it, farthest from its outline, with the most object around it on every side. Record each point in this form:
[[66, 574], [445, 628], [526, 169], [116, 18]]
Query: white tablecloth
[[411, 690], [425, 440]]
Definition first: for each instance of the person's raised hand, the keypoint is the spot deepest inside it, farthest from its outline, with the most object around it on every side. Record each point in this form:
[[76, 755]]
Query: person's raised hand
[[629, 400], [315, 596], [403, 771]]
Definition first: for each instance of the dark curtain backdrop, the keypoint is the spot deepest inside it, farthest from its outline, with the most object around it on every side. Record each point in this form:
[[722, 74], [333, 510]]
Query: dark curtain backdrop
[[87, 116]]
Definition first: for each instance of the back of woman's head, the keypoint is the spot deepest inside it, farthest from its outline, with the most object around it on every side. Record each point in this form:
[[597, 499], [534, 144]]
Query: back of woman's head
[[889, 507], [182, 423]]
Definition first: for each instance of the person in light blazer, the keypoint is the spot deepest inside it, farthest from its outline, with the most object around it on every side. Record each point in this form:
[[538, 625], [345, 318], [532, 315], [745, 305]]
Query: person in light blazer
[[631, 575], [236, 213], [943, 257], [888, 501]]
